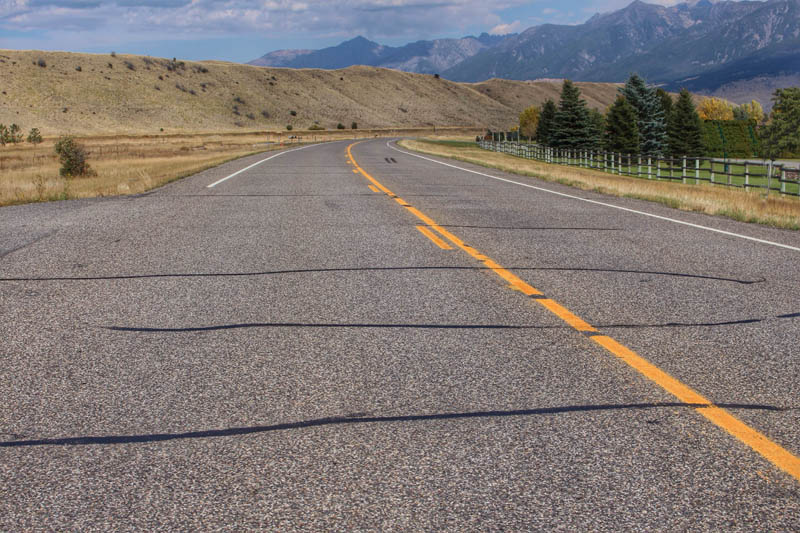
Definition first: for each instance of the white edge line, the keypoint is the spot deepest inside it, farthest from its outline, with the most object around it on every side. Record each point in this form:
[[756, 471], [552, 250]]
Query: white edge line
[[731, 234], [258, 163]]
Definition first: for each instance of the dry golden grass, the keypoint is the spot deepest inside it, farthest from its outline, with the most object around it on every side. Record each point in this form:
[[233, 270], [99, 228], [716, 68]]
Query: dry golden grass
[[106, 96], [31, 174], [777, 211]]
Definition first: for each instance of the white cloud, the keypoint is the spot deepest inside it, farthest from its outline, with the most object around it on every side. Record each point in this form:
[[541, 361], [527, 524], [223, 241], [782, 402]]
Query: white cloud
[[549, 11], [381, 18], [504, 29]]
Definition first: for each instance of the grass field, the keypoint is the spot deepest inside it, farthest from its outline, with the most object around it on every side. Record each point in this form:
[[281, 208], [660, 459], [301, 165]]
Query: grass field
[[121, 166], [749, 206]]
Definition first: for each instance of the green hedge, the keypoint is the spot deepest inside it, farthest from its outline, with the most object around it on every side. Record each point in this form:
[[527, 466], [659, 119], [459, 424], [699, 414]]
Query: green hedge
[[730, 138]]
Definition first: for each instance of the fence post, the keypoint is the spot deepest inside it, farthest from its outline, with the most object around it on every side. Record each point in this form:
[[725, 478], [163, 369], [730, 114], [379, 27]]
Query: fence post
[[783, 180], [649, 168], [711, 168], [746, 176], [683, 170], [658, 168], [769, 177], [696, 171], [619, 164]]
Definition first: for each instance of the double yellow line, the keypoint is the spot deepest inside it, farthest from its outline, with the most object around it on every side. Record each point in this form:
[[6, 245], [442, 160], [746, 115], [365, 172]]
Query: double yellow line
[[759, 442]]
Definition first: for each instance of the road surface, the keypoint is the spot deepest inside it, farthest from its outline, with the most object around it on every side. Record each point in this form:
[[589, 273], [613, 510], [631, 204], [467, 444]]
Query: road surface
[[356, 338]]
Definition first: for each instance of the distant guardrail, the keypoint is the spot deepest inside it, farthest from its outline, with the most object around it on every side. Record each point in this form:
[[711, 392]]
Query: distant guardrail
[[745, 174]]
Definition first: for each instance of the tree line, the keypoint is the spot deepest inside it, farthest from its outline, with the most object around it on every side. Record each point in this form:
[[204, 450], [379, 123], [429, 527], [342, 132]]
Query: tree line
[[648, 121]]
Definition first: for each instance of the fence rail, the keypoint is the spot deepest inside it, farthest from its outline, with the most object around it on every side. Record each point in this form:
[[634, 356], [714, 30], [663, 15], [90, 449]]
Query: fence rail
[[745, 174]]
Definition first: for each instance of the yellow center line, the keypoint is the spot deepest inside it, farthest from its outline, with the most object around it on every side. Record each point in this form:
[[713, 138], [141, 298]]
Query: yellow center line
[[429, 234], [773, 452], [374, 188]]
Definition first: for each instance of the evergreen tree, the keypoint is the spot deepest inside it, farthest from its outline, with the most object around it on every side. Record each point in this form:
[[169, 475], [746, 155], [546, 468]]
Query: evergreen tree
[[622, 133], [544, 130], [685, 131], [667, 105], [781, 135], [650, 115], [572, 127], [597, 123]]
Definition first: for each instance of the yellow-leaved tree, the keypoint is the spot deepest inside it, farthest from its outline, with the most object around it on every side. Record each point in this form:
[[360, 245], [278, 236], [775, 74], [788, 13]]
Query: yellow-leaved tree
[[750, 111], [715, 109], [529, 121]]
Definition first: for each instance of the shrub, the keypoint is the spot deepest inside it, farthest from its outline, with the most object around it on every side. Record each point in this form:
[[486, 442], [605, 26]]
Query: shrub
[[14, 134], [289, 127], [315, 127], [130, 65], [41, 63], [251, 116], [34, 137], [78, 68], [4, 139], [113, 54], [72, 157], [340, 126], [293, 113], [238, 100], [265, 114], [436, 76], [111, 65], [354, 126]]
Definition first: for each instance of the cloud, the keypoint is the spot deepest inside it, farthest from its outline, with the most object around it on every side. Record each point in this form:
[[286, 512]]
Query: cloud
[[549, 11], [505, 29], [274, 19]]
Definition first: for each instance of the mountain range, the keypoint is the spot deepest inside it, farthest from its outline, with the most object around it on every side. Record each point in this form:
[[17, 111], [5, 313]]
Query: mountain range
[[740, 48]]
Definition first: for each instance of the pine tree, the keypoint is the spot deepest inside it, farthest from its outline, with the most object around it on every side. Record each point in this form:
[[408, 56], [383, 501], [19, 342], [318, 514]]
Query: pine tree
[[650, 115], [622, 133], [781, 135], [572, 126], [597, 123], [685, 132], [544, 130], [667, 105]]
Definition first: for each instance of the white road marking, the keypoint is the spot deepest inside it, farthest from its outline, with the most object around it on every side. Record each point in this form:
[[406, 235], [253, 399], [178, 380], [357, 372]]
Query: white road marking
[[731, 234], [258, 163]]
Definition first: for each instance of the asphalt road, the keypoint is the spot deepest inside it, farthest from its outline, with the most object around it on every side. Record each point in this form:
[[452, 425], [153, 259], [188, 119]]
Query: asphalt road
[[287, 351]]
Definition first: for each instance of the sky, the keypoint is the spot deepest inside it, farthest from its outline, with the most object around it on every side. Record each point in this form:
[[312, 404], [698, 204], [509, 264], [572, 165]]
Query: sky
[[242, 30]]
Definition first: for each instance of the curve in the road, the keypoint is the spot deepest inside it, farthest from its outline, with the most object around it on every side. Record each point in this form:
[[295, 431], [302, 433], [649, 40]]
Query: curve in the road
[[756, 440]]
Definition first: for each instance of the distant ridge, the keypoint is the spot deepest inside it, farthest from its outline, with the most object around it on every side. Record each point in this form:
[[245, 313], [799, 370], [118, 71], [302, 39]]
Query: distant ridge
[[707, 46], [424, 57]]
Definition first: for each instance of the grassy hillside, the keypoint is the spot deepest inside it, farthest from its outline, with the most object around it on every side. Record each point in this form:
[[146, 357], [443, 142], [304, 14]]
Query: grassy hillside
[[87, 94]]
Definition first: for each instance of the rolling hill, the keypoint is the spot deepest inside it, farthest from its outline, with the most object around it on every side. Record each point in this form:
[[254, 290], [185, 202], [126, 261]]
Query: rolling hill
[[61, 92]]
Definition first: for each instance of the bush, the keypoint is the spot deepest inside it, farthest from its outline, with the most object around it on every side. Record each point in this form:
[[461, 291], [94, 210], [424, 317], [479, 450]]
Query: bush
[[315, 127], [289, 127], [72, 157], [354, 126], [293, 113], [340, 126], [78, 68], [34, 137], [130, 65], [265, 114], [113, 54], [41, 63], [15, 133], [4, 139]]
